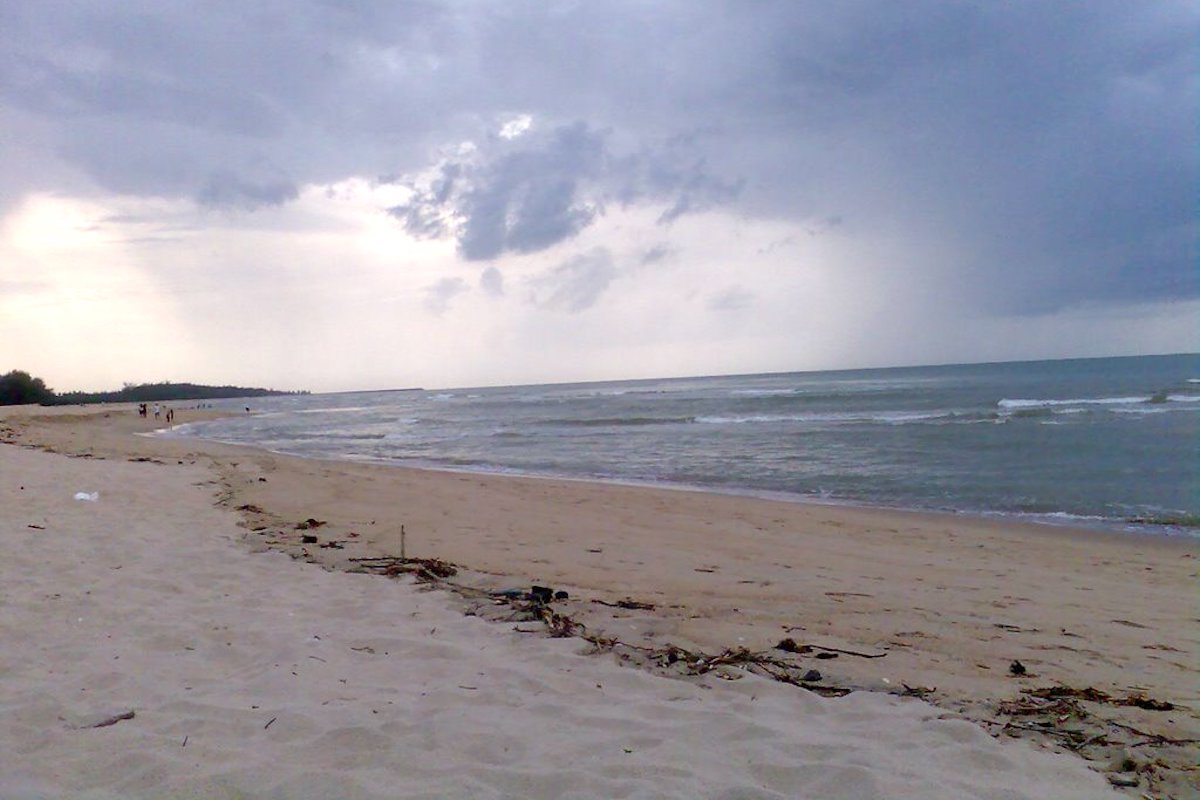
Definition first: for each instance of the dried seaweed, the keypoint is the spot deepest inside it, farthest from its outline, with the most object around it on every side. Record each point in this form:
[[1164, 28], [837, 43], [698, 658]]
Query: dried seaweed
[[1094, 695], [426, 569]]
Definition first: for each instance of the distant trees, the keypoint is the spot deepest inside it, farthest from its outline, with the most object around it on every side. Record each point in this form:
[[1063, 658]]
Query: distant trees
[[161, 392], [19, 388]]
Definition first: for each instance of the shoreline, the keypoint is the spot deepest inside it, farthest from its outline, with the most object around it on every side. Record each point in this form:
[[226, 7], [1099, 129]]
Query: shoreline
[[950, 601], [1058, 520]]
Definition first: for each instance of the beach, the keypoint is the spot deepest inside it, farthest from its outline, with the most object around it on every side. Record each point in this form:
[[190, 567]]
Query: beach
[[249, 672]]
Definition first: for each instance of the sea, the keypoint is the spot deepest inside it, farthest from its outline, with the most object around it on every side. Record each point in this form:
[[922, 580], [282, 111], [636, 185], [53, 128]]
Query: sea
[[1100, 442]]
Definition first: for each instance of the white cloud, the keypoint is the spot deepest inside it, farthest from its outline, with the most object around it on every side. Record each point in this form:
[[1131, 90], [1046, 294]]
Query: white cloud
[[516, 126]]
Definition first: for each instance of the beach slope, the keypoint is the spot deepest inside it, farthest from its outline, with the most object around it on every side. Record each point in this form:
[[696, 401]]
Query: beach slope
[[149, 653]]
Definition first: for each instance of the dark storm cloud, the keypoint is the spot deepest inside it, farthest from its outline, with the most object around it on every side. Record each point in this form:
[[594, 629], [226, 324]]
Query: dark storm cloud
[[1053, 143], [530, 199], [1056, 141], [532, 192], [157, 98]]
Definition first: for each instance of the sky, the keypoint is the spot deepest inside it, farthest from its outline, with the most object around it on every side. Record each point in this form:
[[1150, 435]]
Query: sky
[[345, 194]]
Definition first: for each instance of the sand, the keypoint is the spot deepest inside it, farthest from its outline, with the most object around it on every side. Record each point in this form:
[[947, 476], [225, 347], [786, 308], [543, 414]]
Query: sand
[[154, 599]]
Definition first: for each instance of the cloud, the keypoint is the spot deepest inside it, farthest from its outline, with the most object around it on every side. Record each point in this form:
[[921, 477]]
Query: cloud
[[492, 282], [528, 195], [576, 284], [439, 294], [1056, 145], [1007, 160], [511, 196], [225, 189], [735, 298], [656, 254], [22, 287]]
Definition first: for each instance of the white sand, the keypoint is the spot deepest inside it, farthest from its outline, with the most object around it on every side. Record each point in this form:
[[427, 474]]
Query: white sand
[[148, 600]]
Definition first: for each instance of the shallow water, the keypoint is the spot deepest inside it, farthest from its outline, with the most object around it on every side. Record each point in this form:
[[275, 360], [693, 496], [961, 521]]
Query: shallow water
[[1088, 441]]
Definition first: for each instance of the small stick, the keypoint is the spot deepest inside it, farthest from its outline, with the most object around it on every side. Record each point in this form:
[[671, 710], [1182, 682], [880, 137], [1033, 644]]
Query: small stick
[[269, 724], [113, 720], [402, 558], [848, 652]]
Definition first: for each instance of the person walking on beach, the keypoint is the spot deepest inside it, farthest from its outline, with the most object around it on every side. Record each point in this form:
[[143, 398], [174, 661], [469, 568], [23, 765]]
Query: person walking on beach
[[157, 410]]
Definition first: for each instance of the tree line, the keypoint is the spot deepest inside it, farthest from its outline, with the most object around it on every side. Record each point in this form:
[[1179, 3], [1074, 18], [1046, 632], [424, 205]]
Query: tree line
[[20, 388]]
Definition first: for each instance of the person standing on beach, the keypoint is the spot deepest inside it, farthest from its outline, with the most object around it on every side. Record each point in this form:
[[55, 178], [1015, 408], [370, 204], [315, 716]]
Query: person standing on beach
[[157, 410]]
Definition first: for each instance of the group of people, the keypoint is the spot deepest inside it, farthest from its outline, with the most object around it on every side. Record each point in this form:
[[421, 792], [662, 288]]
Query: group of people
[[158, 412]]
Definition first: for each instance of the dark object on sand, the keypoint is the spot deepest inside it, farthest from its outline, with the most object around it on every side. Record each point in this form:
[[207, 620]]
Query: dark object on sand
[[812, 676], [308, 539], [1016, 668], [114, 719], [561, 595], [633, 605], [541, 594], [309, 523], [789, 646]]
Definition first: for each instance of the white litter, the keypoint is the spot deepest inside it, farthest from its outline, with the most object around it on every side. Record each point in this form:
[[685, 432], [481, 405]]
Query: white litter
[[93, 497]]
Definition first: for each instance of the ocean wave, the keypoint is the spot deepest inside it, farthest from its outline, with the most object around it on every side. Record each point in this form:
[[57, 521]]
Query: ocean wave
[[347, 436], [762, 392], [1022, 403], [884, 417], [612, 422]]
